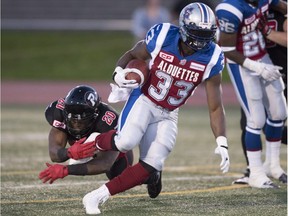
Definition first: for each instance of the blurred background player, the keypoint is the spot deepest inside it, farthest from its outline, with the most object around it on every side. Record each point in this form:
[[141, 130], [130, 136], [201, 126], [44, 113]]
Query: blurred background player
[[143, 18], [73, 119], [180, 60], [274, 28], [257, 82]]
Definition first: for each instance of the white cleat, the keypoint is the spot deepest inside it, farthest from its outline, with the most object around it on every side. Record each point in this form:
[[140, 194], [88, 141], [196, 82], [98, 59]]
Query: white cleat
[[261, 181], [275, 172], [243, 180], [92, 200]]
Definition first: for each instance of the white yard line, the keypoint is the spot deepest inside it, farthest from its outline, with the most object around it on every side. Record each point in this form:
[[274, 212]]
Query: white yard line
[[100, 182]]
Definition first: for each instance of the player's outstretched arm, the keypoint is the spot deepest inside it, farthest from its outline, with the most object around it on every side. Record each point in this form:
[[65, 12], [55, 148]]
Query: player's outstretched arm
[[217, 119], [101, 164]]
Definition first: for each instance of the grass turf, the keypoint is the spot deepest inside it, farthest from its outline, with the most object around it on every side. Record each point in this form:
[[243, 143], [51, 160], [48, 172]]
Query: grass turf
[[192, 181]]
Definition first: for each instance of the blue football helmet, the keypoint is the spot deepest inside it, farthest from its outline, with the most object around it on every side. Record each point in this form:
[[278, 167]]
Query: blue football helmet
[[197, 25]]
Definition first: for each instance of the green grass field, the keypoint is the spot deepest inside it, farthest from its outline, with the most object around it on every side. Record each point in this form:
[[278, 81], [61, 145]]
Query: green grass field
[[192, 181], [67, 55]]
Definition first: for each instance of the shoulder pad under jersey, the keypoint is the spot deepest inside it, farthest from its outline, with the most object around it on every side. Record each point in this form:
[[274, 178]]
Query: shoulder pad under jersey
[[54, 114]]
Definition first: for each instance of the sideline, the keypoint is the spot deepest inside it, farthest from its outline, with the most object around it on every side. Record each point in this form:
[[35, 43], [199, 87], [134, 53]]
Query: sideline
[[44, 92]]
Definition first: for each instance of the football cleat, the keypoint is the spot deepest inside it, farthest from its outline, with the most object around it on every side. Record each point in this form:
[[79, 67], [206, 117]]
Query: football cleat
[[92, 200], [244, 179], [283, 178], [269, 184], [261, 181], [155, 187], [276, 173]]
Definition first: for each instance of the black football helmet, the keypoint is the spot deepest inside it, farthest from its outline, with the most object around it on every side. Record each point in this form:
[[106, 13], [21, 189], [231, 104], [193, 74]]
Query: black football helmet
[[80, 110], [197, 24]]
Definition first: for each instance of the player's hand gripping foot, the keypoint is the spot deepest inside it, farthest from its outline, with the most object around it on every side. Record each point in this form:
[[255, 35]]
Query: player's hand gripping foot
[[155, 187], [92, 200]]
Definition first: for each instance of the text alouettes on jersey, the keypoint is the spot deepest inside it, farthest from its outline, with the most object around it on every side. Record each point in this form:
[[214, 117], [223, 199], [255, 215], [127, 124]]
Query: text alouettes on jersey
[[173, 78], [106, 120], [241, 17]]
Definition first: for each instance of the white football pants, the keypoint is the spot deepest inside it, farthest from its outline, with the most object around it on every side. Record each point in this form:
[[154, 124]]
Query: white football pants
[[152, 127], [257, 95]]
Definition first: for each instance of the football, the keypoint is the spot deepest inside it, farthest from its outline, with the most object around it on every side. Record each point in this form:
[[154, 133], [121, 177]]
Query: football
[[142, 69]]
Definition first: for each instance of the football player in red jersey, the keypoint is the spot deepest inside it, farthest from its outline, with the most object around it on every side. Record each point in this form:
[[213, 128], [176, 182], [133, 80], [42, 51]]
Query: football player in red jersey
[[257, 82], [73, 119], [180, 58]]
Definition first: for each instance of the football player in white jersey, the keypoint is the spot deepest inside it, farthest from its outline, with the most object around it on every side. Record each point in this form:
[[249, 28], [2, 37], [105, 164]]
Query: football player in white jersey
[[257, 82], [180, 58]]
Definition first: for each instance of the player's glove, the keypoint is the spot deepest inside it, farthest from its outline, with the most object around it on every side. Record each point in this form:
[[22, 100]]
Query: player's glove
[[119, 78], [222, 150], [263, 26], [81, 150], [269, 72], [53, 172]]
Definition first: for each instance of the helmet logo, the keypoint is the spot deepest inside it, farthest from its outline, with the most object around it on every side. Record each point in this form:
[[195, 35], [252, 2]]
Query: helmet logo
[[91, 99], [205, 25]]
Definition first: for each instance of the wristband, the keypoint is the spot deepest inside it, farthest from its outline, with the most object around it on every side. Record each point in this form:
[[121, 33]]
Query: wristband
[[78, 169], [250, 64], [117, 69]]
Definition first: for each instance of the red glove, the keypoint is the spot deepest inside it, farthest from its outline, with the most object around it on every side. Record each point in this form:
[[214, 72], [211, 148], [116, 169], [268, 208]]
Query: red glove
[[53, 172], [80, 150], [263, 26]]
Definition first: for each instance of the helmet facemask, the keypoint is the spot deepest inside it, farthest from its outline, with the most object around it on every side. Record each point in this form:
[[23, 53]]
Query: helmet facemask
[[81, 110], [79, 125]]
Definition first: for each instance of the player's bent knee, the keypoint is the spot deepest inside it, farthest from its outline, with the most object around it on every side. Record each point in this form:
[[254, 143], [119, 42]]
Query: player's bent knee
[[259, 123], [281, 115]]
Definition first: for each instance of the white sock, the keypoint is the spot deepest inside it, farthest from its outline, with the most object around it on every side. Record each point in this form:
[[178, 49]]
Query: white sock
[[255, 162], [275, 167], [268, 152], [267, 162]]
